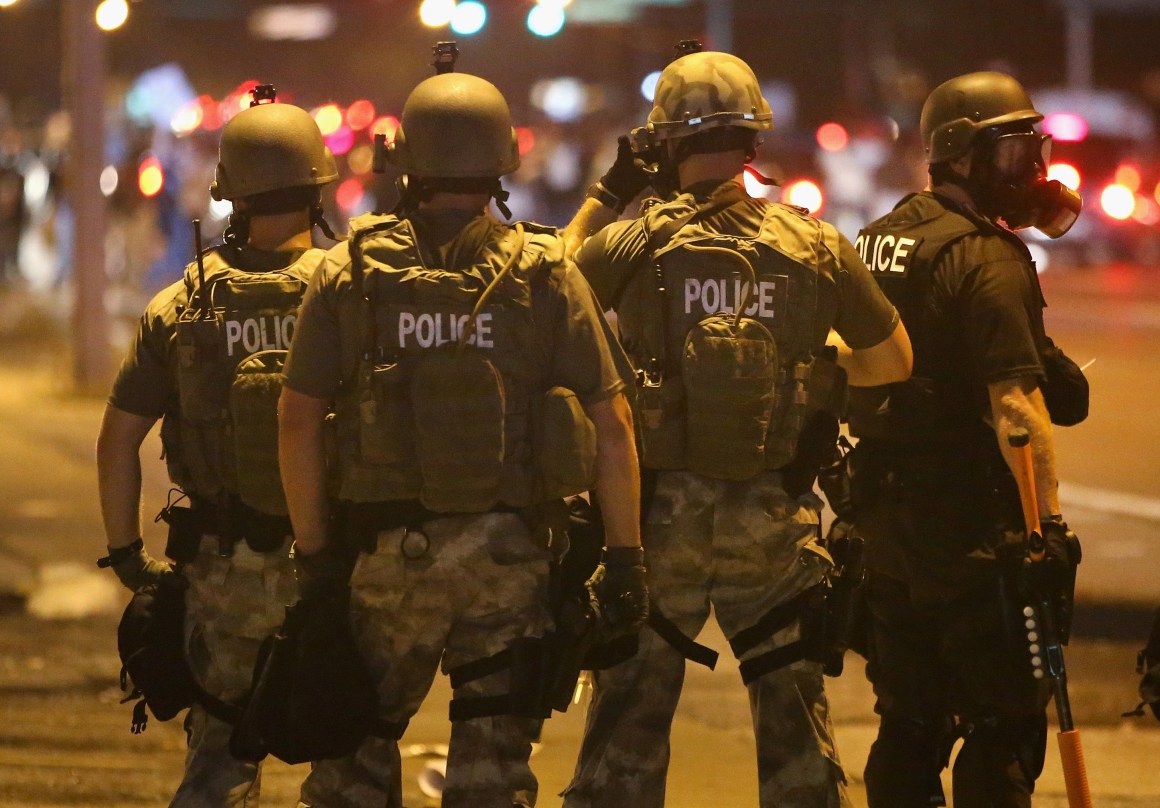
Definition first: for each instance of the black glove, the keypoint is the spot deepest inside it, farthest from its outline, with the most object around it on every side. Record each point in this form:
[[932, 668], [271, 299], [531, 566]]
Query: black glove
[[323, 574], [1053, 578], [628, 175], [135, 568], [618, 593]]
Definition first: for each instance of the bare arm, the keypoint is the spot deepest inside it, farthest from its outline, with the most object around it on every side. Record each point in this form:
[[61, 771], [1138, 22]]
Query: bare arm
[[119, 473], [302, 461], [617, 471], [891, 360], [1019, 403], [591, 218]]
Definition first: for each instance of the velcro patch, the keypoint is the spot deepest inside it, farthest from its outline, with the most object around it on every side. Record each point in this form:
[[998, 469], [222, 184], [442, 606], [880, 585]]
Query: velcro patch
[[887, 253], [417, 328]]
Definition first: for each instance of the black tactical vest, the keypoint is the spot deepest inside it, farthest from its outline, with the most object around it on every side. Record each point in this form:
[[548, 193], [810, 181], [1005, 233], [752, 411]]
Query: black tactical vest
[[902, 249]]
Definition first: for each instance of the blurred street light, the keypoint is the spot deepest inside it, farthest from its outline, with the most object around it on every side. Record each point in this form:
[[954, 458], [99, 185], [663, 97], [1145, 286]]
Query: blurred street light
[[1065, 173], [6, 3], [546, 19], [1118, 201], [804, 194], [111, 14]]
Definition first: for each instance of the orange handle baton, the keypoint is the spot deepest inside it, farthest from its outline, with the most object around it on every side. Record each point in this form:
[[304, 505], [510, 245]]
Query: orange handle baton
[[1070, 748]]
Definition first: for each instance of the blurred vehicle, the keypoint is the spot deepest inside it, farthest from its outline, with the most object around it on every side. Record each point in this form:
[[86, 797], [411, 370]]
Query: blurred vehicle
[[1104, 146]]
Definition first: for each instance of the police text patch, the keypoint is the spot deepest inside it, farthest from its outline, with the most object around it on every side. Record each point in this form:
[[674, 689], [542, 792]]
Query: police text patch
[[886, 252], [416, 328], [259, 333]]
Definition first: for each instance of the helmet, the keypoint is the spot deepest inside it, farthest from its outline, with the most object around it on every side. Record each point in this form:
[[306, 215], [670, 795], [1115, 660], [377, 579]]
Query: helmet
[[959, 109], [703, 91], [455, 125], [268, 147]]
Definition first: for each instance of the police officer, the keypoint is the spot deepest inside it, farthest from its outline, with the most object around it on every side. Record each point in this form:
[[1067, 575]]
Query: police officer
[[474, 383], [206, 361], [935, 497], [724, 303]]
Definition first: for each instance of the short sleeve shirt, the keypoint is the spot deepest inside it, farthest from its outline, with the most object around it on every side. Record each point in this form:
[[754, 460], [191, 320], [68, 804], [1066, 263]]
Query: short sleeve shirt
[[849, 299], [146, 383], [583, 355]]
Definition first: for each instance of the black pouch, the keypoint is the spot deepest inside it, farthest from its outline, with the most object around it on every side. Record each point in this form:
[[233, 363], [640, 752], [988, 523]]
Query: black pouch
[[314, 698], [185, 533], [150, 642], [263, 532], [1065, 390]]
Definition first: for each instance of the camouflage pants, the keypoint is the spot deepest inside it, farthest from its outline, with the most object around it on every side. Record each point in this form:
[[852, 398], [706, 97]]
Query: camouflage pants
[[477, 586], [742, 547], [232, 604]]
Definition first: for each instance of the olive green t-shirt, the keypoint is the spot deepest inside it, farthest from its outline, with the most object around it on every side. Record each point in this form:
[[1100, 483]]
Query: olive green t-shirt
[[849, 300], [146, 383], [576, 342]]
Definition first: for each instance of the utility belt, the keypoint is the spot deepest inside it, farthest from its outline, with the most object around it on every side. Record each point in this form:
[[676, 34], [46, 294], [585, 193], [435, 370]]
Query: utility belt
[[229, 523], [358, 525]]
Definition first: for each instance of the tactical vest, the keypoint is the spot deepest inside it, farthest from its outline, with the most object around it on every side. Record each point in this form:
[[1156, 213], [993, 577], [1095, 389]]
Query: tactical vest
[[231, 342], [723, 331], [902, 249], [450, 404]]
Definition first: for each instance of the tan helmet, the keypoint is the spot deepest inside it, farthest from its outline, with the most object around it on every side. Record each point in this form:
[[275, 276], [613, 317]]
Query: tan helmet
[[704, 91], [959, 109], [271, 146], [455, 125]]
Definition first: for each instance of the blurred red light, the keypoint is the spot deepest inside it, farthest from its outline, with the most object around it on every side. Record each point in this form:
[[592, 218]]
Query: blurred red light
[[832, 136], [1128, 176], [1065, 173], [349, 194], [340, 140], [526, 139], [804, 194], [386, 125], [1118, 201], [360, 115], [150, 177], [1066, 127]]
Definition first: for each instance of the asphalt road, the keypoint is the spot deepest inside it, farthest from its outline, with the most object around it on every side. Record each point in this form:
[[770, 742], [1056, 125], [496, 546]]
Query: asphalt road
[[65, 742]]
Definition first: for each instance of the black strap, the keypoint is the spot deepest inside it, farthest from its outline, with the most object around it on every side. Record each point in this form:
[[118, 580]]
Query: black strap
[[776, 659], [688, 648], [479, 668], [773, 621], [469, 707]]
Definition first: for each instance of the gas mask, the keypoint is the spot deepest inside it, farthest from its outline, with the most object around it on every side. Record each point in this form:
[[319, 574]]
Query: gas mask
[[1009, 181]]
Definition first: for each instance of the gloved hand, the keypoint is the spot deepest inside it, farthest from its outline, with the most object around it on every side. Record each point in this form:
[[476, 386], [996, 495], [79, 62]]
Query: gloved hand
[[618, 593], [1053, 578], [323, 574], [136, 569], [627, 176], [1055, 574]]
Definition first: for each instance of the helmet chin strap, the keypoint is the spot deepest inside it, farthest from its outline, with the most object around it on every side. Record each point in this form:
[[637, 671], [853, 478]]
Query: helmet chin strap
[[501, 197]]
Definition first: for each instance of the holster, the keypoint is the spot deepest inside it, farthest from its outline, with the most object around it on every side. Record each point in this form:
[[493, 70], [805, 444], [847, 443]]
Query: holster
[[313, 697], [844, 610]]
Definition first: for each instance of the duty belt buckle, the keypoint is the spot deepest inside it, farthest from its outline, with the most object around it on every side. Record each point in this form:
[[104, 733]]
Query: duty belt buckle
[[414, 543]]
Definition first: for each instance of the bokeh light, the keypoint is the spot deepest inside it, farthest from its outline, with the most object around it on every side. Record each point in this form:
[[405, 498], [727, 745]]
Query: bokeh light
[[109, 180], [546, 19], [648, 87], [386, 125], [468, 18], [1066, 127], [111, 14], [436, 13], [349, 194], [328, 118], [340, 140], [1118, 201], [832, 136], [360, 115], [804, 194], [150, 177], [1128, 176], [361, 158], [1066, 173]]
